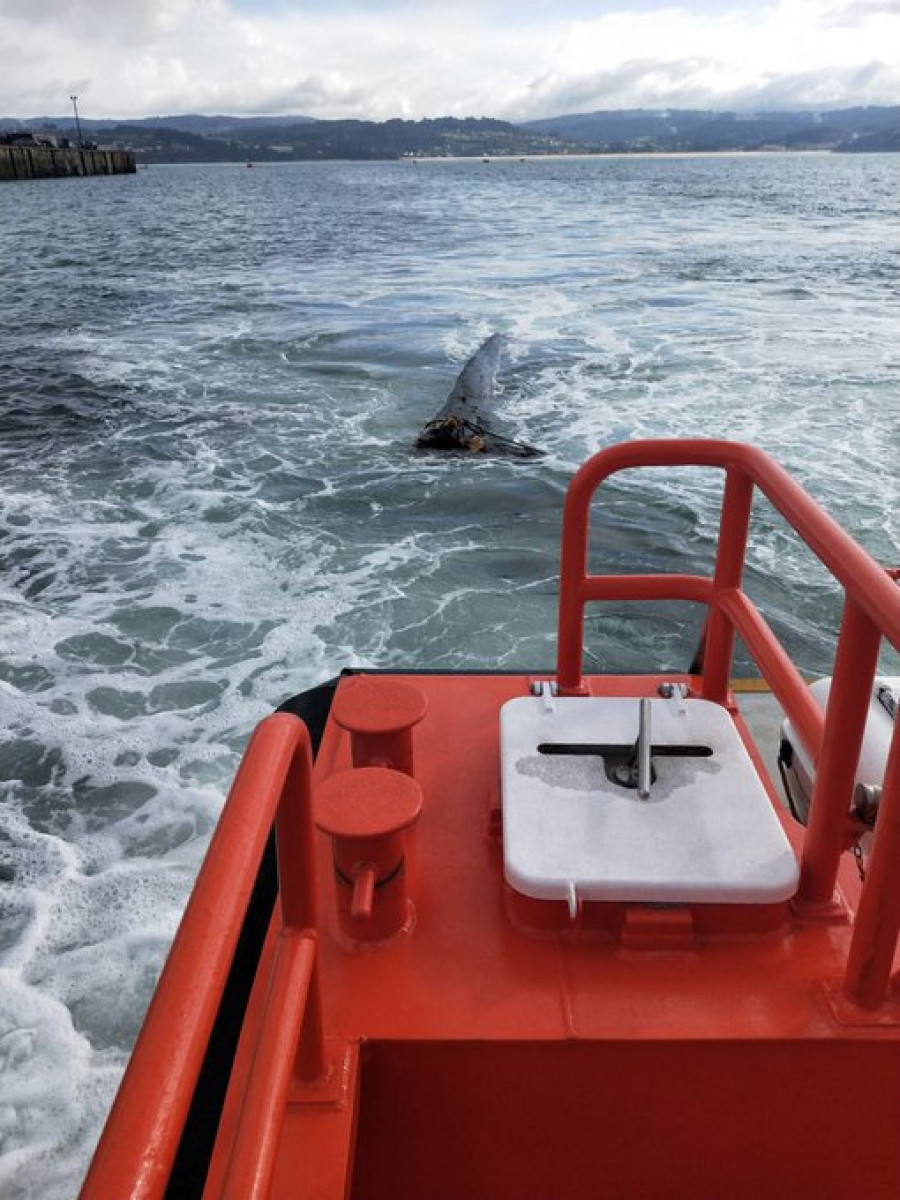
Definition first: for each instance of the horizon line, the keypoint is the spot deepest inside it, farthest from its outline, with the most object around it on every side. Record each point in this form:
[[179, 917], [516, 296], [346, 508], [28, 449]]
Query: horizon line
[[262, 116]]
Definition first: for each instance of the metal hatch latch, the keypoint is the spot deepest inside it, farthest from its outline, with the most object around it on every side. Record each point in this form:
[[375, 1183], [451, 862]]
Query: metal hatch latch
[[887, 700], [637, 770]]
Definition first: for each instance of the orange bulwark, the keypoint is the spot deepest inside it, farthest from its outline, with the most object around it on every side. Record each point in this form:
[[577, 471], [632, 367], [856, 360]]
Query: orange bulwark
[[514, 955]]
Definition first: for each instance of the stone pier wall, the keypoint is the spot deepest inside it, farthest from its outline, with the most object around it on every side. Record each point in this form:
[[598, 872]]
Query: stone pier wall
[[48, 162]]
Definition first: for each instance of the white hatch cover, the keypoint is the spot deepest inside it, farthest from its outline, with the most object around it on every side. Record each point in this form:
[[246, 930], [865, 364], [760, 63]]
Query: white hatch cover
[[705, 832]]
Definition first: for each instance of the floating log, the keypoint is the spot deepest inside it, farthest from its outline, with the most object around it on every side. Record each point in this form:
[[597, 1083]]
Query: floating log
[[464, 423]]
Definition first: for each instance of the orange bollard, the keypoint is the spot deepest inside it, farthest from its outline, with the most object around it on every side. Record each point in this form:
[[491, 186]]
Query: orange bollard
[[366, 811], [379, 714]]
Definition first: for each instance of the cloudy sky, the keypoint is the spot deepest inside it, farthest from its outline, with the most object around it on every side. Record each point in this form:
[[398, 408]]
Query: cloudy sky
[[415, 58]]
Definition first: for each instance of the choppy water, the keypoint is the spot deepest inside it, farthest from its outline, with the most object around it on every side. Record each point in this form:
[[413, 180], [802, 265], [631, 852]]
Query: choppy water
[[210, 379]]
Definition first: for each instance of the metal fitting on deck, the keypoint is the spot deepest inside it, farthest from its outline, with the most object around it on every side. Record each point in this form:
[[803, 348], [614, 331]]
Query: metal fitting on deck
[[379, 714], [366, 812]]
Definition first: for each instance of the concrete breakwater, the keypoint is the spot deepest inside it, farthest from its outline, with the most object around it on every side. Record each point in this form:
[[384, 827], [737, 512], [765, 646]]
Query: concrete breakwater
[[48, 162]]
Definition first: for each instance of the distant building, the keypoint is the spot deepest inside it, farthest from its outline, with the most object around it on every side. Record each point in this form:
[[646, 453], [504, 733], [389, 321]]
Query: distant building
[[28, 138]]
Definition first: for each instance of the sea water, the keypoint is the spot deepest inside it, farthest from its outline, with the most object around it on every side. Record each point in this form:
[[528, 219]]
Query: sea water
[[211, 380]]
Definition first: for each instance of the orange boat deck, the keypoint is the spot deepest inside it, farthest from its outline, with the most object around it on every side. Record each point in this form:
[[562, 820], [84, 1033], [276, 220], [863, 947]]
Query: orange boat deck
[[488, 1060], [418, 1028]]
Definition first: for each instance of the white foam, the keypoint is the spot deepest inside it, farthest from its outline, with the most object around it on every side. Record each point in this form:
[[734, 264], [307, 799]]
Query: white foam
[[54, 1090]]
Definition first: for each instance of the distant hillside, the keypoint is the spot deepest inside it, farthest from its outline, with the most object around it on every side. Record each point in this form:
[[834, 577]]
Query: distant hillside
[[212, 126], [887, 140], [196, 138], [698, 130], [222, 126], [284, 140]]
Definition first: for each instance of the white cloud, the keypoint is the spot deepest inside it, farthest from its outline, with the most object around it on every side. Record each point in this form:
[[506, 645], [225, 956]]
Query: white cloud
[[140, 57]]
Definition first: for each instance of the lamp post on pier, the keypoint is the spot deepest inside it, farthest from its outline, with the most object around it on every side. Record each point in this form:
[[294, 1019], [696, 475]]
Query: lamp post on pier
[[74, 100]]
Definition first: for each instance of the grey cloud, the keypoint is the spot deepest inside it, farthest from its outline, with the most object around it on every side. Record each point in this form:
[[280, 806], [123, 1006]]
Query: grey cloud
[[636, 84], [127, 23], [137, 56], [872, 83], [314, 94], [851, 13], [681, 84], [49, 98]]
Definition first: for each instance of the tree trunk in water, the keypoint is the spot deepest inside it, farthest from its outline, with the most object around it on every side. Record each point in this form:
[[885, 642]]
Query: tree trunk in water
[[464, 423]]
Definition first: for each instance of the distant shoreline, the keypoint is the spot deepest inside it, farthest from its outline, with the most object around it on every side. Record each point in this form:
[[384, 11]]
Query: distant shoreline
[[488, 159], [614, 134], [617, 154]]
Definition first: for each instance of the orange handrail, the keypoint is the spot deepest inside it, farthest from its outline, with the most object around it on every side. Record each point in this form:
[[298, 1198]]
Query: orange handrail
[[251, 1163], [833, 739], [135, 1155]]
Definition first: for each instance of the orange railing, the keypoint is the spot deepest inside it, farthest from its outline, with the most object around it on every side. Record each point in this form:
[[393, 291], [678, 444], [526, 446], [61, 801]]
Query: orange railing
[[833, 739], [135, 1155]]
